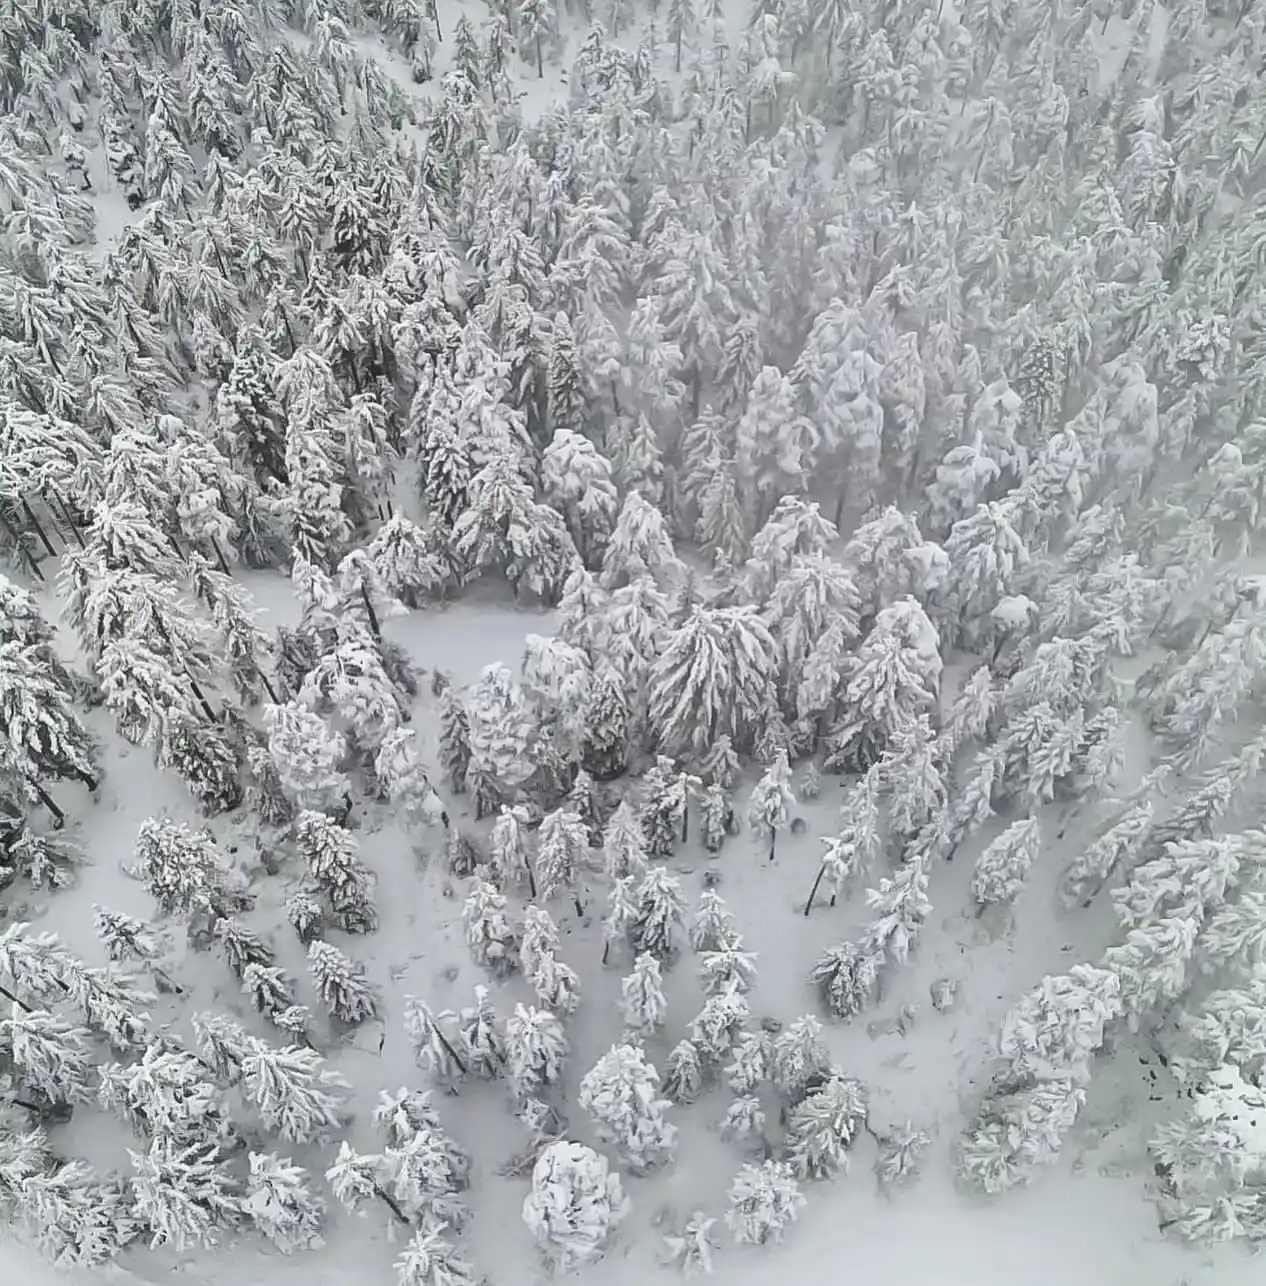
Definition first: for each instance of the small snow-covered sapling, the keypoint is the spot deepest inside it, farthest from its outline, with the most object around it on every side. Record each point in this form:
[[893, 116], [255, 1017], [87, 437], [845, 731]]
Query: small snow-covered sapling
[[557, 985], [683, 1076], [744, 1120], [765, 1200], [901, 1151], [691, 1250], [433, 1049], [483, 1037]]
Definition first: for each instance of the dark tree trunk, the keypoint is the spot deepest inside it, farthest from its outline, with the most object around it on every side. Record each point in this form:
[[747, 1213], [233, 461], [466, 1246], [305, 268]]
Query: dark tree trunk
[[813, 892], [39, 531]]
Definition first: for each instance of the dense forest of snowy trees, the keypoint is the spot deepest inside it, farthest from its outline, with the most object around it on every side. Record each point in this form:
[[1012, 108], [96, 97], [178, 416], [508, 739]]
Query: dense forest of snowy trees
[[871, 393]]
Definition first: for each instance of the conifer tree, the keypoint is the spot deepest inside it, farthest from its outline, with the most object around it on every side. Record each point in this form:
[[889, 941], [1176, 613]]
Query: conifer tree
[[764, 1200], [620, 1093], [483, 1037], [642, 993], [508, 853], [433, 1051], [771, 802], [281, 1205], [823, 1125], [536, 1049], [1002, 867], [340, 982], [493, 942], [621, 913], [561, 855], [574, 1205], [660, 909], [605, 753], [454, 740], [308, 754]]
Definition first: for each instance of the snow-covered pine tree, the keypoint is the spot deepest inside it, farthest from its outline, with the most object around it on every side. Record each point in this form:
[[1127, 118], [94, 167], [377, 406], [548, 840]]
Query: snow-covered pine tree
[[718, 1026], [623, 844], [482, 1037], [1003, 866], [605, 753], [748, 1070], [49, 1054], [720, 765], [46, 739], [771, 802], [727, 966], [347, 993], [822, 1127], [620, 915], [281, 1204], [562, 853], [270, 989], [183, 869], [308, 754], [620, 1093], [1054, 1030], [434, 1050], [454, 740], [1016, 1132], [575, 1204], [642, 994], [714, 674], [577, 480], [536, 1049], [293, 1092], [330, 855], [660, 910], [744, 1121], [508, 853], [717, 819], [683, 1075], [846, 977], [499, 734], [901, 1152], [431, 1259], [240, 945], [1117, 847], [127, 938], [185, 1195], [658, 815], [765, 1200], [304, 914], [712, 926], [691, 1250], [492, 940], [799, 1057], [557, 985]]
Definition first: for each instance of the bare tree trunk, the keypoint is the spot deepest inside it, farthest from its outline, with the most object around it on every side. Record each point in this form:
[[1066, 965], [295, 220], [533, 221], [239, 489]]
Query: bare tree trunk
[[813, 892]]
